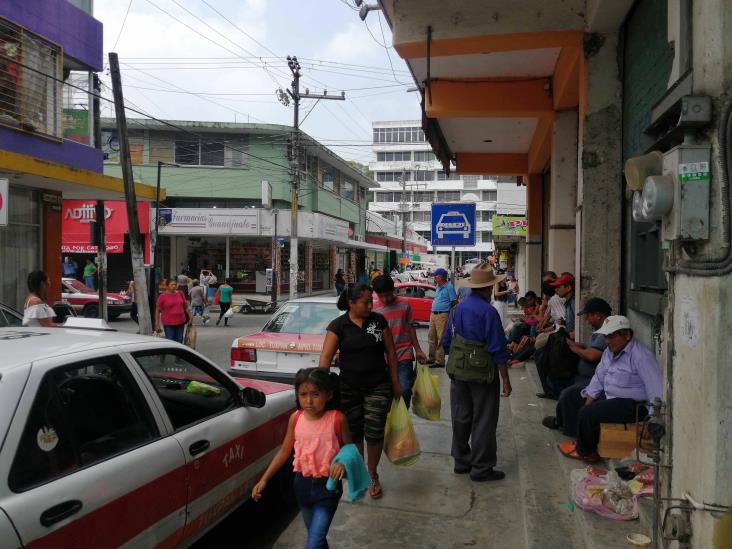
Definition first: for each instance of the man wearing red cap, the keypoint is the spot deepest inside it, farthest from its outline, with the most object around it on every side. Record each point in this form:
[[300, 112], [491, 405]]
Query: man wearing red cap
[[564, 288]]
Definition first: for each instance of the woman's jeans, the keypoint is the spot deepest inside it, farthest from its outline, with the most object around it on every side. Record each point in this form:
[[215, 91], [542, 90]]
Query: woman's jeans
[[318, 506], [90, 281], [174, 333]]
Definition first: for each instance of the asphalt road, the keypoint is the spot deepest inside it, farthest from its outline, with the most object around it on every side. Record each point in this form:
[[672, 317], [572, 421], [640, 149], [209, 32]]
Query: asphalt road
[[214, 341]]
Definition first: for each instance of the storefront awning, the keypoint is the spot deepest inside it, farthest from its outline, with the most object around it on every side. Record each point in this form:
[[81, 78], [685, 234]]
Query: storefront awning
[[366, 246]]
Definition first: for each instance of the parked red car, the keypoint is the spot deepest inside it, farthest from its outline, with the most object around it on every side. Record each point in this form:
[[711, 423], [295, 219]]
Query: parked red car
[[420, 298], [85, 301]]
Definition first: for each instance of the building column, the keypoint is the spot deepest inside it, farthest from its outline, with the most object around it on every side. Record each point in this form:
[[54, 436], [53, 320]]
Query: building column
[[600, 183], [173, 257], [332, 260], [51, 248], [563, 192], [276, 266], [534, 245], [352, 264], [308, 267]]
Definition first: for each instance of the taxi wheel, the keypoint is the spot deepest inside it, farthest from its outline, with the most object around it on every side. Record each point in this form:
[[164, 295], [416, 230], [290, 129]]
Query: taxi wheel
[[91, 311]]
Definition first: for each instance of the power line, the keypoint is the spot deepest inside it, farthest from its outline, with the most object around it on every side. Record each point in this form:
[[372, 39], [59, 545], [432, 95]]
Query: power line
[[124, 20]]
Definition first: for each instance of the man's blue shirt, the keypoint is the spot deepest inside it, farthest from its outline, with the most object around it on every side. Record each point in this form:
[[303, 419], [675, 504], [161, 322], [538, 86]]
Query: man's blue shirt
[[444, 296], [478, 320]]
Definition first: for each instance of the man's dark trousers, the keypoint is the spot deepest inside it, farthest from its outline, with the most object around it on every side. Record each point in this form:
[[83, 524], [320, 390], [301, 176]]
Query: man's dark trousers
[[612, 410], [569, 404], [474, 408]]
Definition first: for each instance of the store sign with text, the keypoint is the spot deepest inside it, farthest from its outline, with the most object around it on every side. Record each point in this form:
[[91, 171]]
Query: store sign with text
[[209, 221], [509, 225], [77, 217]]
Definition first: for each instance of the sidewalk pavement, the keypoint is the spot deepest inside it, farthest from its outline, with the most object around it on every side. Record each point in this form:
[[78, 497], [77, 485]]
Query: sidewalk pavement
[[428, 506]]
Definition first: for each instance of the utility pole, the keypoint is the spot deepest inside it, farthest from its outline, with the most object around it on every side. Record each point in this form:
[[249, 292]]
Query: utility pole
[[153, 288], [403, 206], [136, 246], [100, 222], [296, 96]]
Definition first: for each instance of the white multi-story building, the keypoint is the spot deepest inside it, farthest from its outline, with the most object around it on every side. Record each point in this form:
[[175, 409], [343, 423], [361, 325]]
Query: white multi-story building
[[411, 179]]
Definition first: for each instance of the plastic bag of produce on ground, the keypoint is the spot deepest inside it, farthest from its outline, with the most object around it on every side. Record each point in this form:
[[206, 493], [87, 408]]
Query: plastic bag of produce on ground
[[400, 441], [603, 493], [426, 400]]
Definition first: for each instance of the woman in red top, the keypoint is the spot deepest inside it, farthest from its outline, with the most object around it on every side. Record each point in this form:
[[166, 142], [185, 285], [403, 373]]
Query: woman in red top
[[172, 310]]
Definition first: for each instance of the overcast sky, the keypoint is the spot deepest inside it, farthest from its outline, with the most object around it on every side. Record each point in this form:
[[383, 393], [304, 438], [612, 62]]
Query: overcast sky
[[162, 57]]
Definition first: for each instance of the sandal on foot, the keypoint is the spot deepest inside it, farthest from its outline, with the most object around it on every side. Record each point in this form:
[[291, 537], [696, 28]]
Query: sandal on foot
[[375, 487]]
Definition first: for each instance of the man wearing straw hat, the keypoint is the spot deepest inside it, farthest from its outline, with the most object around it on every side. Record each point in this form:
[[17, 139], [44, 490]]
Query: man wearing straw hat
[[476, 345]]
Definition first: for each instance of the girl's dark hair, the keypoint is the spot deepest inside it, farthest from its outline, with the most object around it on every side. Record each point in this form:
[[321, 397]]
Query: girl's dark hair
[[323, 380], [35, 278], [351, 293]]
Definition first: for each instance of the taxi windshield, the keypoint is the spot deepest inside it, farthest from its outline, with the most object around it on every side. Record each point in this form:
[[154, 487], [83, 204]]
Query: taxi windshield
[[302, 318], [79, 286]]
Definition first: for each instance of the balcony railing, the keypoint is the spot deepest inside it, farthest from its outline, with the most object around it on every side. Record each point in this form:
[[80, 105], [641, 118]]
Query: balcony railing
[[30, 81]]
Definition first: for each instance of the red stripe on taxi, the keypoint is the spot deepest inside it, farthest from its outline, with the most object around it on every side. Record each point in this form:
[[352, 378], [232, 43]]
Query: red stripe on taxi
[[124, 518]]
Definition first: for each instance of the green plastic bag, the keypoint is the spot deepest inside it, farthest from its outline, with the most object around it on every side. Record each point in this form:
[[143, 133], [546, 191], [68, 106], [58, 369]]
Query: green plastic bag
[[400, 442], [426, 401]]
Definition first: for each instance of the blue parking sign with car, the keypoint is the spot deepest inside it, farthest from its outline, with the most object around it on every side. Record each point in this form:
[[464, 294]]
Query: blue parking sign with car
[[453, 224]]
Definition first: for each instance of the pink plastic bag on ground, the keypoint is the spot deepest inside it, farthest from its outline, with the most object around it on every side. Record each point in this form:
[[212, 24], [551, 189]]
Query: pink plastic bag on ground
[[604, 494]]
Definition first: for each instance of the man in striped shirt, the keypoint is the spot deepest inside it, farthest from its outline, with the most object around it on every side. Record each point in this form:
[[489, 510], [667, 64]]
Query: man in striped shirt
[[398, 314]]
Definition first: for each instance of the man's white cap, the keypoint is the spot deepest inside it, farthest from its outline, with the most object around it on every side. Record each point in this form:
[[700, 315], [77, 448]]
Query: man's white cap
[[614, 323]]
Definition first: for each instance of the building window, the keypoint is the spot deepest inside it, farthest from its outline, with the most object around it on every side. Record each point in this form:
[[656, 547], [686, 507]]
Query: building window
[[212, 153], [424, 175], [489, 196], [187, 151], [394, 156], [441, 176], [486, 215], [424, 196], [398, 135], [392, 176], [29, 99], [347, 189], [448, 196], [427, 235], [421, 216], [424, 156], [388, 197], [328, 179], [485, 236]]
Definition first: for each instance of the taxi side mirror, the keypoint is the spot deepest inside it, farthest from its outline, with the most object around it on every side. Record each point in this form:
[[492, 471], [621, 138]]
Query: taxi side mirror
[[253, 398]]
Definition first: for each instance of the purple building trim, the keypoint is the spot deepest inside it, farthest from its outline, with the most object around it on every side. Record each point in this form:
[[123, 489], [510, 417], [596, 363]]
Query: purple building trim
[[62, 23], [67, 152]]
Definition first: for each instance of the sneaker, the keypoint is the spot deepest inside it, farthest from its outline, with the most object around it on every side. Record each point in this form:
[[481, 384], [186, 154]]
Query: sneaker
[[550, 422], [461, 470], [218, 322]]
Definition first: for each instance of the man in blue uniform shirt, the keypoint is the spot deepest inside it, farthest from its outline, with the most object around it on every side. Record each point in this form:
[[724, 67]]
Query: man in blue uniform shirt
[[445, 298], [476, 344]]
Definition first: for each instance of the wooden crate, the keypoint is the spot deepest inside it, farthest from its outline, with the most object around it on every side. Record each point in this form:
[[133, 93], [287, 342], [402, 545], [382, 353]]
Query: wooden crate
[[617, 440]]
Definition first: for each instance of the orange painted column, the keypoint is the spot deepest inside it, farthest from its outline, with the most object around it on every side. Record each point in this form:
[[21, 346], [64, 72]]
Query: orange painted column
[[52, 247]]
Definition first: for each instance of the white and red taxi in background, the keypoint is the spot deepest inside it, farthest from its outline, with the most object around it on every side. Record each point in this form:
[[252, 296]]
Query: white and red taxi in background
[[85, 301], [291, 340], [117, 440]]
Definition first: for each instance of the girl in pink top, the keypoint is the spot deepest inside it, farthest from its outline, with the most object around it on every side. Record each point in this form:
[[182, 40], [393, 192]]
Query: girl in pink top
[[316, 431], [173, 311]]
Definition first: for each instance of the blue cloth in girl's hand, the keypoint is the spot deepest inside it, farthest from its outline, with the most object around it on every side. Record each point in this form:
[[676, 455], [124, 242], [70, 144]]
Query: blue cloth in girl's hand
[[356, 472]]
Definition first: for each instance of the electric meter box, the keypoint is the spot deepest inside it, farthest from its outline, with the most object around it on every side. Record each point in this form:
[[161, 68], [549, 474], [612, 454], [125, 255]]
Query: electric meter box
[[688, 219]]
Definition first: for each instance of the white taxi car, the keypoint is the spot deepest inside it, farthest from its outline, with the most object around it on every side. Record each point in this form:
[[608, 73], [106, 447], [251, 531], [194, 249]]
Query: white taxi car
[[292, 339], [117, 440]]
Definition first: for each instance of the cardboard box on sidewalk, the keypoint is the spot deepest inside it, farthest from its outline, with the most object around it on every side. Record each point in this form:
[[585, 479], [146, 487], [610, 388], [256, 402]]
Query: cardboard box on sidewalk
[[617, 440]]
